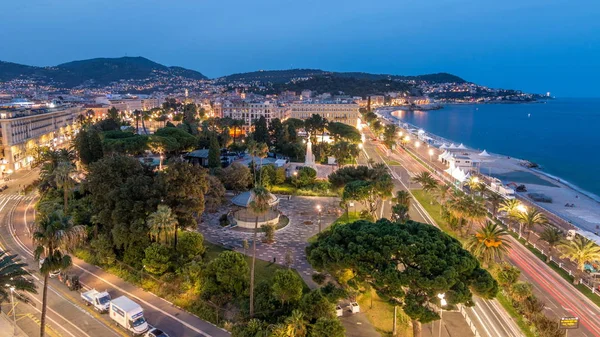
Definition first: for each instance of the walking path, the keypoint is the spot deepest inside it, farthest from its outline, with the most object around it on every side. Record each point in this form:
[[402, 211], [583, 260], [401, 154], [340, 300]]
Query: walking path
[[293, 237]]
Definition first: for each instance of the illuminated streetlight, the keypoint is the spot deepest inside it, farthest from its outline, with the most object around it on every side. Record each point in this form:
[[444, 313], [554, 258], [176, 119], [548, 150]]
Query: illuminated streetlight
[[430, 154], [523, 209], [319, 218], [417, 144], [443, 303], [360, 146], [12, 303]]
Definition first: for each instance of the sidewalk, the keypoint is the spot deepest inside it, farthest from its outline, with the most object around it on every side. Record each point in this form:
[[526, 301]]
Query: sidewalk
[[6, 327]]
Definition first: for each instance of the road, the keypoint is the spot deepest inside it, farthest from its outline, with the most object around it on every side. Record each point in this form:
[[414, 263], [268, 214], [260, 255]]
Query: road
[[67, 316], [489, 317], [560, 297]]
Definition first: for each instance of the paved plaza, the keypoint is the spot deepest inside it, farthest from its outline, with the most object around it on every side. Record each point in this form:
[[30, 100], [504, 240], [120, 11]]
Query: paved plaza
[[303, 215]]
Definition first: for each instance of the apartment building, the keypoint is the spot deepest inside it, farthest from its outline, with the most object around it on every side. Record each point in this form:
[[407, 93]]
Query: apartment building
[[249, 111], [346, 113], [22, 129]]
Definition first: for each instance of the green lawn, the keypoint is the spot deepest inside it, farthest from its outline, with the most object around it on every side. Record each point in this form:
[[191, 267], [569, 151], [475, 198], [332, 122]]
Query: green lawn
[[434, 211], [289, 189], [381, 315], [264, 270]]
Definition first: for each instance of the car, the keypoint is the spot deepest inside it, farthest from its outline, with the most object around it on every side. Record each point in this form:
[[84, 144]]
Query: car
[[52, 274], [154, 332]]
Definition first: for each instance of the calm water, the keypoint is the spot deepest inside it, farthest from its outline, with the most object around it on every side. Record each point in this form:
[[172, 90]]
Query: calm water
[[562, 135]]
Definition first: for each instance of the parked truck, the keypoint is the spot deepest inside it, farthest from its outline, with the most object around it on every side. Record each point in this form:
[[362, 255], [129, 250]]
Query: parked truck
[[128, 315], [99, 300]]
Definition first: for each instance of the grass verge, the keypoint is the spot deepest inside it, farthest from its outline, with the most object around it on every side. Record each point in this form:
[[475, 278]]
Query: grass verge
[[435, 211], [523, 325], [381, 315]]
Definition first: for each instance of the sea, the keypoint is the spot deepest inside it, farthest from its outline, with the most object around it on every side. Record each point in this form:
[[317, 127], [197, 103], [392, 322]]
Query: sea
[[561, 135]]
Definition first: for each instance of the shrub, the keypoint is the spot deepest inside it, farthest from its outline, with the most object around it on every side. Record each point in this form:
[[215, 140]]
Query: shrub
[[269, 231], [190, 245], [319, 278], [156, 260], [223, 220]]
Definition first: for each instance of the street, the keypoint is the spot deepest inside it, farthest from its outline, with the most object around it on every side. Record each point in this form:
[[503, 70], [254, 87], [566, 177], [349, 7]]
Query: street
[[67, 315]]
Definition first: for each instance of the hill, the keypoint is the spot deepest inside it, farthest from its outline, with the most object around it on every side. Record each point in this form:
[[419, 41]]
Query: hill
[[96, 72], [284, 76], [348, 85]]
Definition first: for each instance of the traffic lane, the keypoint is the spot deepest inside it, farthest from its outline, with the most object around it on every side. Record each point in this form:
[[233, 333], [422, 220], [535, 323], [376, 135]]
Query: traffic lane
[[158, 312], [62, 314], [557, 290]]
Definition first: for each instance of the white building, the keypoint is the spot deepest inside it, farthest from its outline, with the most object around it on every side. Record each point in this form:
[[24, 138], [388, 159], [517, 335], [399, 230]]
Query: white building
[[346, 113]]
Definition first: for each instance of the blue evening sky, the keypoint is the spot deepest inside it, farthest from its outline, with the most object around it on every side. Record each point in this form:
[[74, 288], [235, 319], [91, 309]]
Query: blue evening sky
[[533, 45]]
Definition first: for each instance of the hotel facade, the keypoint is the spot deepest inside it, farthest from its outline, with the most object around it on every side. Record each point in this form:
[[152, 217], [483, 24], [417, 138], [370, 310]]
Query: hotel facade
[[23, 129], [346, 113]]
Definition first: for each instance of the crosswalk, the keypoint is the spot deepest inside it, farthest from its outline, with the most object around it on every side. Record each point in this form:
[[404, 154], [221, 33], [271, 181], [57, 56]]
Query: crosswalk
[[16, 197]]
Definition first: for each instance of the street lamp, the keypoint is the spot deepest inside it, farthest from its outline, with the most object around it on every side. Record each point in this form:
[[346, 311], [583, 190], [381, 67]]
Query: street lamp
[[522, 209], [417, 144], [430, 154], [443, 303], [12, 303], [319, 218]]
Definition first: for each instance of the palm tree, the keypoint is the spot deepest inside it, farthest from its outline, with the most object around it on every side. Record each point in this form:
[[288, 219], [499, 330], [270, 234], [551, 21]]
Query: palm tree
[[552, 236], [259, 206], [426, 180], [402, 198], [296, 324], [494, 199], [580, 250], [62, 177], [162, 224], [475, 185], [400, 213], [476, 211], [530, 218], [13, 276], [55, 232], [520, 291], [511, 207], [259, 150], [442, 193], [489, 243]]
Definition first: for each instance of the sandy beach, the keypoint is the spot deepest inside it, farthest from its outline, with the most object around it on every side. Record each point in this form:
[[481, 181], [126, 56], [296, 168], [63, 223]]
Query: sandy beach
[[586, 211]]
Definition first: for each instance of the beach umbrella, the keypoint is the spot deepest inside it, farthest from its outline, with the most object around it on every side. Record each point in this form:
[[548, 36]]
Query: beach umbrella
[[484, 154], [461, 146]]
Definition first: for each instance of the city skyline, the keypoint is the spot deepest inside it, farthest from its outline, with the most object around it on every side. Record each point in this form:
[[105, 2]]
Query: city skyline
[[521, 45]]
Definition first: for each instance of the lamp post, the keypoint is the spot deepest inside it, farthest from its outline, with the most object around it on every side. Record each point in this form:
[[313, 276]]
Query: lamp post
[[442, 305], [12, 303], [319, 218], [430, 154], [521, 208], [417, 144]]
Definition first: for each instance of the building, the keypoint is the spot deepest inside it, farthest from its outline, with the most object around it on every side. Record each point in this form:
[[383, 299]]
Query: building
[[346, 113], [24, 128], [249, 111]]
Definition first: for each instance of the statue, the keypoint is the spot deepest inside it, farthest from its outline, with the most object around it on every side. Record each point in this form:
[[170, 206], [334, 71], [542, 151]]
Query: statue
[[309, 160]]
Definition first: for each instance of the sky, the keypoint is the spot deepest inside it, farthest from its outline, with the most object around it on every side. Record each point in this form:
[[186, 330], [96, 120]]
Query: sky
[[532, 45]]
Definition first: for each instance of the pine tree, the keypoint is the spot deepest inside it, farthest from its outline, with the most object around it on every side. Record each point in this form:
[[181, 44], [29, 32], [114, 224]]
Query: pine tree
[[214, 153]]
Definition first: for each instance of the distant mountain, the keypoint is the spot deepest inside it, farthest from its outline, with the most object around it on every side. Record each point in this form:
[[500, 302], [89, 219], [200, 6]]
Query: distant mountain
[[96, 72], [284, 76]]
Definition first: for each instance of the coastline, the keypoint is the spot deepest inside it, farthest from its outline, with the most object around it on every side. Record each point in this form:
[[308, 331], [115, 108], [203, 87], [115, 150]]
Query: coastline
[[585, 216]]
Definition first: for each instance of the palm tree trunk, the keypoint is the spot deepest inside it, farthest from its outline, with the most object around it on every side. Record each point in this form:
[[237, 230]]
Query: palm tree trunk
[[44, 304], [175, 238], [66, 197], [528, 234], [549, 254], [252, 269], [416, 325]]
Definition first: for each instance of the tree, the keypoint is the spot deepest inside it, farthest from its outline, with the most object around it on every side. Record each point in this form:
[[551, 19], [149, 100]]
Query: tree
[[259, 206], [287, 286], [62, 175], [344, 152], [185, 141], [330, 327], [236, 177], [162, 225], [214, 153], [520, 291], [426, 180], [54, 234], [315, 305], [390, 135], [489, 243], [88, 145], [409, 262], [257, 150], [190, 245], [296, 324], [580, 250], [400, 213], [552, 236], [269, 231], [511, 207], [306, 176], [157, 259], [530, 218], [494, 199], [215, 194], [113, 114], [227, 274], [340, 131], [14, 276], [442, 193], [402, 198], [261, 131], [507, 275], [182, 187]]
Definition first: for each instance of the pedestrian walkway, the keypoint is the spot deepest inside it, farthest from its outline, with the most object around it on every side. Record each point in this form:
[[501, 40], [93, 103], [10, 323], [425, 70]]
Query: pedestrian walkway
[[6, 327], [293, 238]]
